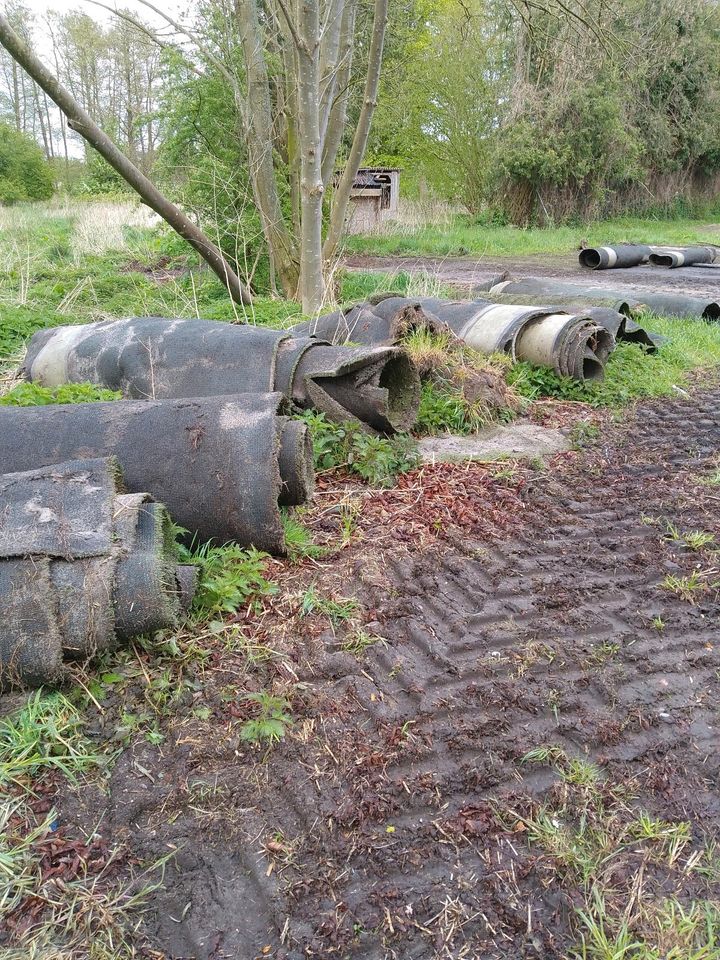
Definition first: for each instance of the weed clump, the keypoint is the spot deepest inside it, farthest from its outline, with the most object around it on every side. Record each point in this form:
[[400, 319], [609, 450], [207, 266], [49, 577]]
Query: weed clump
[[378, 460], [462, 390], [272, 718], [228, 577], [33, 395]]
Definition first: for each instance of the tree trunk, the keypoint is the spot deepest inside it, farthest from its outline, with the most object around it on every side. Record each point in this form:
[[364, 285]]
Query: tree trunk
[[258, 134], [80, 121], [362, 131], [338, 106], [16, 98], [312, 288]]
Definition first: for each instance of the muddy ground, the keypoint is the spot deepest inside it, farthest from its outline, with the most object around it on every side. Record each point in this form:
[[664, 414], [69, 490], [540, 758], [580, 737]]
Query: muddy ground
[[511, 608], [466, 272]]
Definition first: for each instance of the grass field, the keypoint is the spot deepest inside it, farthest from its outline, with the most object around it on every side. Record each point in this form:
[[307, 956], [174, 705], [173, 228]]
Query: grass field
[[78, 262], [461, 236]]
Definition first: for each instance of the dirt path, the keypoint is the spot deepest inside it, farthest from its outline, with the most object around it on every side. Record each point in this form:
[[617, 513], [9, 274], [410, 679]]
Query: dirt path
[[465, 272], [520, 609]]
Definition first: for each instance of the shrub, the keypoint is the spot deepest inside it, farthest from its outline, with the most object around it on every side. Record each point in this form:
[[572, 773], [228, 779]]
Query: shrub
[[376, 459], [24, 172]]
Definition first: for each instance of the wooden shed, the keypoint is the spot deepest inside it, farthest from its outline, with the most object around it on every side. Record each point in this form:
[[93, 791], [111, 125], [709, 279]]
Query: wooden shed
[[374, 198]]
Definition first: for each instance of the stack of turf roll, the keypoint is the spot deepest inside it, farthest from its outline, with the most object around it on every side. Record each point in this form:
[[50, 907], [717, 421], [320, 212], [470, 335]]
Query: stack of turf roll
[[628, 300], [573, 344], [621, 255], [83, 567], [221, 465]]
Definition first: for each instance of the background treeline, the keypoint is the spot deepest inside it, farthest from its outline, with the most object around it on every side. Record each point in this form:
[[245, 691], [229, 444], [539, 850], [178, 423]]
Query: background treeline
[[522, 113], [537, 117]]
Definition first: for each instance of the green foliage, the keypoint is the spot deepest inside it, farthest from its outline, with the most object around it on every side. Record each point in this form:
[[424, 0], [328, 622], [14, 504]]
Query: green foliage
[[33, 395], [272, 721], [204, 163], [18, 323], [376, 459], [99, 179], [229, 577], [299, 541], [541, 128], [336, 610], [24, 172], [46, 734]]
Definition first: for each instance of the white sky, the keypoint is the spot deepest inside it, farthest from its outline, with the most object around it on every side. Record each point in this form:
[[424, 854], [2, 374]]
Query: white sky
[[177, 9], [172, 7]]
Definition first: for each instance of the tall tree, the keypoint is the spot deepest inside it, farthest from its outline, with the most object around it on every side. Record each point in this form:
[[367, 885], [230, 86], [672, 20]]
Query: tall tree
[[289, 66]]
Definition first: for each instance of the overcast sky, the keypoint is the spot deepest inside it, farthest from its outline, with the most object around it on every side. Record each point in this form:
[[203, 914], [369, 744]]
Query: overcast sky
[[174, 8]]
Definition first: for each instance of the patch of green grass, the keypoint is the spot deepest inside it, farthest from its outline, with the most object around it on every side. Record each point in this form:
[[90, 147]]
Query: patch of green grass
[[18, 855], [444, 409], [584, 433], [586, 835], [357, 285], [359, 641], [336, 610], [91, 915], [272, 721], [668, 930], [574, 770], [228, 578], [713, 478], [49, 278], [458, 384], [465, 236], [631, 372], [299, 541], [687, 588], [33, 395], [45, 734], [603, 652], [376, 459], [695, 540]]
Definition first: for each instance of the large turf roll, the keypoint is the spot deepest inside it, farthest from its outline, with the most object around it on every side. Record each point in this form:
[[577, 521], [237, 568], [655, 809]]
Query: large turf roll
[[213, 461], [573, 345], [681, 256], [631, 300], [378, 386], [82, 567], [153, 358], [620, 325], [616, 255], [30, 640]]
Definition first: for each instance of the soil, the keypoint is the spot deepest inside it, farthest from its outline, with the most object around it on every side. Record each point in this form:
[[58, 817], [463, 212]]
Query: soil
[[160, 271], [512, 607], [467, 272]]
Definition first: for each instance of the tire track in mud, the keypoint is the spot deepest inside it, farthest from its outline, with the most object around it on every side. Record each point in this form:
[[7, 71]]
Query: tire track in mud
[[546, 639]]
